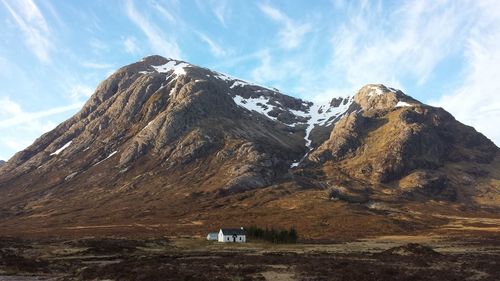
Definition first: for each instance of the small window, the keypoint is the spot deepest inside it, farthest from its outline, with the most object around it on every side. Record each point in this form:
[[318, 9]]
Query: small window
[[228, 239], [240, 238]]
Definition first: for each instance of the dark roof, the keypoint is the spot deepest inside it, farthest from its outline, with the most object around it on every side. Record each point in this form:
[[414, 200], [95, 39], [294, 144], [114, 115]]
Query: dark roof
[[232, 231]]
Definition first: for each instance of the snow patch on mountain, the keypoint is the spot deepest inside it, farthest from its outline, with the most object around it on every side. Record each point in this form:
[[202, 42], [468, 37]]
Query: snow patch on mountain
[[238, 83], [61, 149], [177, 67], [314, 115], [260, 105], [375, 91], [319, 115], [402, 104], [109, 156]]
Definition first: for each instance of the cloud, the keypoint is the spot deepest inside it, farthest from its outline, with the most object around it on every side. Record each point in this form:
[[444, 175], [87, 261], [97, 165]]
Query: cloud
[[9, 107], [220, 9], [98, 46], [296, 74], [33, 25], [13, 115], [215, 49], [266, 71], [14, 143], [384, 45], [158, 41], [20, 128], [79, 91], [475, 101], [130, 44], [163, 11], [96, 65], [292, 33]]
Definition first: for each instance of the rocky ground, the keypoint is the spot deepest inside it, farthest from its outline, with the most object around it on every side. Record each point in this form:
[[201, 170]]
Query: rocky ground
[[190, 258]]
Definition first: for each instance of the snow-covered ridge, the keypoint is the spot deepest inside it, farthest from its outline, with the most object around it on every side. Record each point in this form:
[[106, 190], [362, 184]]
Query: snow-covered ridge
[[235, 82], [177, 67], [377, 90]]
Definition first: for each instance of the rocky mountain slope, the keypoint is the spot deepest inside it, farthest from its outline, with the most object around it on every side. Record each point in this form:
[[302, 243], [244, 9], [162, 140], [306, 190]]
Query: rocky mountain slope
[[164, 138]]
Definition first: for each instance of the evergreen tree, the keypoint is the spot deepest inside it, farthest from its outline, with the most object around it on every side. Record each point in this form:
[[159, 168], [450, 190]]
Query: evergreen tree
[[272, 235]]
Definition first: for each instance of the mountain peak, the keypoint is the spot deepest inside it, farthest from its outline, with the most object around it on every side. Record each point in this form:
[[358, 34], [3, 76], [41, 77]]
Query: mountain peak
[[157, 60], [153, 59], [381, 97]]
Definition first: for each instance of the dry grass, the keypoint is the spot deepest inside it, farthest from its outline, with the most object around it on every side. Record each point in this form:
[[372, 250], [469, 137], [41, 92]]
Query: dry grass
[[193, 258]]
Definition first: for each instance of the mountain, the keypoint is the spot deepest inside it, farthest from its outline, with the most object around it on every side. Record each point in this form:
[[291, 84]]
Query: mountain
[[2, 163], [166, 146]]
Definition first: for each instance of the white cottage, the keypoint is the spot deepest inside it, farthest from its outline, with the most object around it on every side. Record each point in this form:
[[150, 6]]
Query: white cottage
[[232, 235]]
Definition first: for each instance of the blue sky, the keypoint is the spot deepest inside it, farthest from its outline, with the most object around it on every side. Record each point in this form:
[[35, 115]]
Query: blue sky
[[54, 53]]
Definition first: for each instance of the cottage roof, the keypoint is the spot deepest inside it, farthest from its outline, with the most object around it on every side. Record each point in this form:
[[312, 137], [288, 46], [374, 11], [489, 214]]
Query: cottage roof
[[232, 231]]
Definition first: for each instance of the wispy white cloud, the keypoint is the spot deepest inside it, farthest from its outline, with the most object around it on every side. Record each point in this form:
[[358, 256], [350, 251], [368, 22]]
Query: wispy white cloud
[[20, 128], [53, 14], [215, 49], [160, 43], [475, 101], [292, 33], [378, 45], [411, 40], [266, 71], [130, 44], [9, 108], [98, 46], [33, 25], [221, 10], [13, 115], [164, 12], [12, 143], [79, 92], [295, 75], [96, 65], [273, 13]]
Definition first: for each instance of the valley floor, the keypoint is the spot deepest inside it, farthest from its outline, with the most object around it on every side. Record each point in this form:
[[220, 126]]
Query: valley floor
[[424, 257]]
